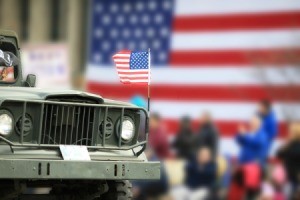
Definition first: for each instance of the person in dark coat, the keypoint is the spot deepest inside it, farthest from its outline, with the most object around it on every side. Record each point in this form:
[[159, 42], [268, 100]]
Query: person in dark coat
[[184, 143], [151, 189], [269, 124], [208, 134], [201, 171], [289, 153], [158, 139]]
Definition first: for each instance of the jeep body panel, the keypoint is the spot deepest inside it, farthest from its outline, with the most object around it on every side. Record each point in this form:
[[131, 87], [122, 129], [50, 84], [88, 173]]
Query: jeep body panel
[[29, 157]]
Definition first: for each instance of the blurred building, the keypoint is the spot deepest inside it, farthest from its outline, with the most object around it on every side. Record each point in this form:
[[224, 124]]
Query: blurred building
[[46, 21]]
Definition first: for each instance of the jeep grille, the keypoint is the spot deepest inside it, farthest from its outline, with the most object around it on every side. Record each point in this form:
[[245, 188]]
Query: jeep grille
[[53, 123], [67, 124]]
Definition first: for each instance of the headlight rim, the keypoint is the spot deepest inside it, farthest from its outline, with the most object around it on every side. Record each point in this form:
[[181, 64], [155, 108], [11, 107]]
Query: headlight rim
[[29, 117], [126, 117], [101, 128], [9, 113]]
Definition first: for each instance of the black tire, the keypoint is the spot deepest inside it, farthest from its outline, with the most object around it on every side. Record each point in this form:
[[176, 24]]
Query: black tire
[[118, 190]]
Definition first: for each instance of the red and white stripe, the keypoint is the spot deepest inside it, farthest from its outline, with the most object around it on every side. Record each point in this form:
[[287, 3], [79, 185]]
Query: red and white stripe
[[127, 75], [215, 64]]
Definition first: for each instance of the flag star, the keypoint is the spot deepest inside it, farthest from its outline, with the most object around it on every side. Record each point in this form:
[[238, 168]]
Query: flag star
[[114, 33], [145, 19], [138, 32], [152, 5], [140, 6], [158, 18], [105, 45], [133, 19], [167, 5], [106, 19], [127, 7], [97, 57], [164, 32], [98, 8], [126, 33], [131, 45], [98, 33], [114, 8], [150, 32], [156, 44], [120, 45], [120, 19], [162, 56]]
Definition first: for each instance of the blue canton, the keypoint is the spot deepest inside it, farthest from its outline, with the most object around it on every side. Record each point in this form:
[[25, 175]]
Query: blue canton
[[136, 25], [139, 60]]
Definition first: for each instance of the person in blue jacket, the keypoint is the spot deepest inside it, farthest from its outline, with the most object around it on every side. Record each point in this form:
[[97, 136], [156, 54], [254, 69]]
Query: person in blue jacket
[[252, 142], [269, 124]]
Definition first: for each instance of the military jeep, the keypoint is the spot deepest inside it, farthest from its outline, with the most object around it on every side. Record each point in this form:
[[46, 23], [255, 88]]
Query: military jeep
[[38, 125]]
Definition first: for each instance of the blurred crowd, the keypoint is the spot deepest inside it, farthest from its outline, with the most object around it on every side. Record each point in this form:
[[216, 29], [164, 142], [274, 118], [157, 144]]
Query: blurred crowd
[[207, 174]]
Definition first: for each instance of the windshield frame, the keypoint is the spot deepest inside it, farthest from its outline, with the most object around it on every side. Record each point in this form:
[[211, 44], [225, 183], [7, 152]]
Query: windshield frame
[[8, 43]]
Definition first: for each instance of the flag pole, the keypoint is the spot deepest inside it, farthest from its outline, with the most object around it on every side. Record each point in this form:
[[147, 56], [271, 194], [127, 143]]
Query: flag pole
[[149, 79]]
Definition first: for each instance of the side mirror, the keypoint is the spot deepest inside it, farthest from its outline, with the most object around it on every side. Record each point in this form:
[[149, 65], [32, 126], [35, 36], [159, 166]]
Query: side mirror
[[30, 80]]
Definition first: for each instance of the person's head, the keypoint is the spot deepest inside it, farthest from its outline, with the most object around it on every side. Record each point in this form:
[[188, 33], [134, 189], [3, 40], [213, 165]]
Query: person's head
[[7, 74], [294, 131], [205, 117], [254, 124], [139, 101], [204, 155], [264, 107], [185, 123], [154, 120]]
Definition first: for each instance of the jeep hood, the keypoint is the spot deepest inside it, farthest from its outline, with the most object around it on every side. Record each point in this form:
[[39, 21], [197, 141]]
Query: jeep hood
[[26, 93]]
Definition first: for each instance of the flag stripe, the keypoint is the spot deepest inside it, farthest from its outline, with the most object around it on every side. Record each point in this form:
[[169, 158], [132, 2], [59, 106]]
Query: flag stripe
[[234, 57], [226, 128], [121, 60], [198, 92], [236, 40], [134, 72], [253, 21], [120, 55], [123, 65], [216, 7], [207, 75], [133, 75], [222, 110]]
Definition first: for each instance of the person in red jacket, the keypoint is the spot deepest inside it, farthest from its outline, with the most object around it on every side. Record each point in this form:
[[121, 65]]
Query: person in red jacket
[[158, 139]]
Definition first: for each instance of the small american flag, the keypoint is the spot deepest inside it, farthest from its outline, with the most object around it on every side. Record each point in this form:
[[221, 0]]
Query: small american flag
[[133, 67]]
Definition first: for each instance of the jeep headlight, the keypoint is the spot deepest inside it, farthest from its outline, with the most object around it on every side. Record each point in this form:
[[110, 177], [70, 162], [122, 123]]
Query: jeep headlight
[[6, 123], [127, 129]]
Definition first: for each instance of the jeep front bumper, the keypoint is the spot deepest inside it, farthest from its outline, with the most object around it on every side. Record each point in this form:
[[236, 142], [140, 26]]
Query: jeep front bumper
[[89, 170]]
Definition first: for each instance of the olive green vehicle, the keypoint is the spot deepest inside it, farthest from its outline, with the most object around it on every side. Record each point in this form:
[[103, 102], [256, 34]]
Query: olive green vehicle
[[36, 124]]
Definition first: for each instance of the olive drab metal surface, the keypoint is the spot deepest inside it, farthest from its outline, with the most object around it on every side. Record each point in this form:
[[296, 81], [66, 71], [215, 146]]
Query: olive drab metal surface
[[35, 123]]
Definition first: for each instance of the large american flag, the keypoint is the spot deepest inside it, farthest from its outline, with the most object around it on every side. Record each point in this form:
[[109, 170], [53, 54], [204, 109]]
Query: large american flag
[[207, 55], [133, 67]]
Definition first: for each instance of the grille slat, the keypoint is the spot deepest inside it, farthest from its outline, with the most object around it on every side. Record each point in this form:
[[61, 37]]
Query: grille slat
[[88, 126], [104, 127], [51, 119], [66, 133], [77, 128], [56, 121], [60, 125], [82, 130], [45, 124], [72, 129]]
